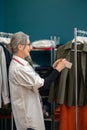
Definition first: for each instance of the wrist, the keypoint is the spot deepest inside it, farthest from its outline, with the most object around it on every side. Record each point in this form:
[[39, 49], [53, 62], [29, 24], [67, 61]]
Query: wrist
[[58, 69]]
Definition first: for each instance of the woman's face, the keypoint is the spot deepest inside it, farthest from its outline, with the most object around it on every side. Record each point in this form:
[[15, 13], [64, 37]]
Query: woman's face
[[24, 49]]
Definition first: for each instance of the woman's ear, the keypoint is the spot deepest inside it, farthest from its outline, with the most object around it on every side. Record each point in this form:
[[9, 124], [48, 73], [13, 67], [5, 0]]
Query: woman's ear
[[19, 46]]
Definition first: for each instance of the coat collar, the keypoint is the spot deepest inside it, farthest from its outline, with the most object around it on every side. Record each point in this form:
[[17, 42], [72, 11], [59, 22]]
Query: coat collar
[[68, 45]]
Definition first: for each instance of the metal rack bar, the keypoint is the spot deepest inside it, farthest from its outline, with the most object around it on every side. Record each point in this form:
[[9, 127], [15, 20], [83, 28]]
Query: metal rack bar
[[53, 54], [76, 83]]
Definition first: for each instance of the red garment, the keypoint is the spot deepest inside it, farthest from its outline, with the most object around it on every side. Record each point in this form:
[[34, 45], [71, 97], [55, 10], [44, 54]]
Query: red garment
[[68, 117], [83, 118]]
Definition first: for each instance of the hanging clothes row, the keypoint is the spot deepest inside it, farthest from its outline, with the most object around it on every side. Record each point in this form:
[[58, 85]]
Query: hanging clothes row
[[5, 58], [63, 89], [4, 93], [65, 84]]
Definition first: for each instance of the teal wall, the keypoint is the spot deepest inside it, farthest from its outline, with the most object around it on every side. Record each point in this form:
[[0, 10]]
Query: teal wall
[[43, 18], [2, 15]]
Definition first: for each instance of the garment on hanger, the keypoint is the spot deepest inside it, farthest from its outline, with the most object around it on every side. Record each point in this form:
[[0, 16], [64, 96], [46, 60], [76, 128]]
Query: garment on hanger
[[5, 40], [4, 93], [8, 55], [63, 89]]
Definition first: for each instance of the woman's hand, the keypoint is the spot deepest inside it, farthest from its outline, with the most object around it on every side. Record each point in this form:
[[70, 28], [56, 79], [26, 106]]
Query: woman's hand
[[56, 62], [60, 65]]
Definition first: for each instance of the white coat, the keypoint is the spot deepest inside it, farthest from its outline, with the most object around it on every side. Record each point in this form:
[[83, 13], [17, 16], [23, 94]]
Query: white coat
[[4, 91], [26, 106]]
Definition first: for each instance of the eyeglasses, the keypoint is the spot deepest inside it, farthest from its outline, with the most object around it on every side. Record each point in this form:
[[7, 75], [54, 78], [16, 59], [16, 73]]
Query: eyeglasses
[[27, 44]]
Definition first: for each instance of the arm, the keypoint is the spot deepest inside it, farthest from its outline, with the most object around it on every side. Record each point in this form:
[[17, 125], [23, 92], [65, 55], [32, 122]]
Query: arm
[[58, 66], [48, 80]]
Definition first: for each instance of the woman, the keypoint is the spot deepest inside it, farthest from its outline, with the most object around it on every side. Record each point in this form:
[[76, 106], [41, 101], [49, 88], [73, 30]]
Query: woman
[[24, 84]]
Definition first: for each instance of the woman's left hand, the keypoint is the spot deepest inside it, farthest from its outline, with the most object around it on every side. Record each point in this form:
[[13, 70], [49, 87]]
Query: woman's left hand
[[56, 62]]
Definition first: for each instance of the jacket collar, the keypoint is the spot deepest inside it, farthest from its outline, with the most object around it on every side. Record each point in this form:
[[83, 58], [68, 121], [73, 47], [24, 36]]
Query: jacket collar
[[68, 45]]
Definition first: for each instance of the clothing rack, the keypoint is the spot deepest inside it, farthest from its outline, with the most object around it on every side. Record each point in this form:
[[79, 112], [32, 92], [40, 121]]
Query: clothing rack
[[76, 33]]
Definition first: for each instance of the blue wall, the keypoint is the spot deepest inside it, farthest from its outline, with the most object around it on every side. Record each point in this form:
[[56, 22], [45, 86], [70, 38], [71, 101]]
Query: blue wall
[[43, 18]]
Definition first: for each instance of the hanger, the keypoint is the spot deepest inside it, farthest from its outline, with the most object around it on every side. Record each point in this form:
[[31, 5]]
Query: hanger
[[80, 39]]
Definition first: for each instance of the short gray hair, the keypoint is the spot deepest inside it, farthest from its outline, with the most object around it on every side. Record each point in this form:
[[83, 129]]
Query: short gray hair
[[18, 38]]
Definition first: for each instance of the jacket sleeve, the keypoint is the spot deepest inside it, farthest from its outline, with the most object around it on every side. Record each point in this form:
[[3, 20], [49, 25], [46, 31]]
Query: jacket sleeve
[[50, 78]]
